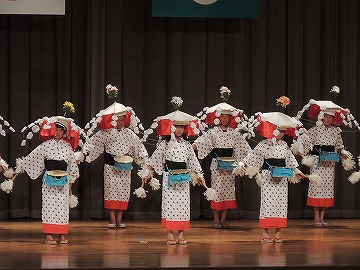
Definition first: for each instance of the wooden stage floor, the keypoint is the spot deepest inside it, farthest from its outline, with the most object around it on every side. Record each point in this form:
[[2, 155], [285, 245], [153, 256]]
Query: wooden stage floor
[[142, 245]]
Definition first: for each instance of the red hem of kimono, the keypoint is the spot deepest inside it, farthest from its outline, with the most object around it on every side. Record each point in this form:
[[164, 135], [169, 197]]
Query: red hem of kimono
[[218, 206], [55, 228], [271, 222], [116, 205], [320, 202], [175, 225]]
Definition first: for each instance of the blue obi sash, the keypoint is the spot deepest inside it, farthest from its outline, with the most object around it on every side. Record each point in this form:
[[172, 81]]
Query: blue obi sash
[[178, 173], [277, 168], [54, 181], [326, 153]]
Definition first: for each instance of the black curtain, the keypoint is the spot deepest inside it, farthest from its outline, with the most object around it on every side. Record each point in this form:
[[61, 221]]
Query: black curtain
[[297, 48]]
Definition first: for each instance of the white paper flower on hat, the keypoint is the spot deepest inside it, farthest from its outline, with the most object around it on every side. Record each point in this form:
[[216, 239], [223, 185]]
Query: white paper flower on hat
[[276, 132], [29, 136], [35, 128], [173, 128], [114, 123], [218, 113], [114, 117], [216, 121]]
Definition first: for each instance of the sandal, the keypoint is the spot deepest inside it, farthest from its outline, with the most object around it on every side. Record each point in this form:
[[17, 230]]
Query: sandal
[[171, 242], [217, 226], [278, 240], [182, 242], [112, 226], [318, 224], [326, 224], [266, 240], [50, 242], [121, 225], [225, 226], [63, 241]]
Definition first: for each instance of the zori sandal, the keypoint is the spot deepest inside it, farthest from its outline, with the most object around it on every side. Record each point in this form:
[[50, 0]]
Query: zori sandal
[[266, 240]]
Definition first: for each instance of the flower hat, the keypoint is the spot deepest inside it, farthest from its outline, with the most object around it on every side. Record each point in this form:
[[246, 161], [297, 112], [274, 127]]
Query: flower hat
[[46, 127], [317, 109], [268, 124], [210, 116], [107, 118], [5, 126], [165, 125]]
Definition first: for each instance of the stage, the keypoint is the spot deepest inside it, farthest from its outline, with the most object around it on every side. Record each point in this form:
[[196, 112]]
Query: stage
[[143, 245]]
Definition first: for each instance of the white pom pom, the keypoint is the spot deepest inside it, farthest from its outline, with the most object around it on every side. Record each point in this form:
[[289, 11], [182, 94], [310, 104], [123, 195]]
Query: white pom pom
[[210, 194], [216, 121], [294, 147], [7, 186], [114, 123], [144, 173], [114, 117], [140, 192], [29, 136], [237, 119], [173, 128], [192, 125], [354, 177], [154, 184], [23, 142], [35, 128], [154, 125], [315, 179], [79, 156], [217, 113], [308, 161], [88, 159], [73, 201], [9, 173]]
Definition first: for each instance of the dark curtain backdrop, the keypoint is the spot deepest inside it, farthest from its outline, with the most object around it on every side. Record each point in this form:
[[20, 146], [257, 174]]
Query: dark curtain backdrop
[[298, 48]]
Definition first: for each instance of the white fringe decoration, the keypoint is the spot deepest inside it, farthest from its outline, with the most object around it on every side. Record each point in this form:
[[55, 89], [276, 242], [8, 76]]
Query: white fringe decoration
[[19, 168], [140, 192], [259, 180], [308, 161], [144, 173], [294, 179], [154, 184], [210, 194], [294, 148], [73, 201], [348, 163], [7, 186], [251, 171], [354, 177], [239, 170], [314, 178], [194, 178]]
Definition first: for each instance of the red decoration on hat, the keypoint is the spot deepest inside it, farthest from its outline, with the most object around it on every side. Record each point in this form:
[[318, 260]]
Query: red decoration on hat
[[190, 131], [314, 111], [210, 117], [73, 138], [106, 120], [164, 127], [266, 129], [47, 133]]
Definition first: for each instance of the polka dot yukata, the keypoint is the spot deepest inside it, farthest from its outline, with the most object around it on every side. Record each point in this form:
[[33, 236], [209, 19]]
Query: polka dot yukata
[[117, 142], [55, 200], [223, 182], [274, 190], [175, 203], [321, 195]]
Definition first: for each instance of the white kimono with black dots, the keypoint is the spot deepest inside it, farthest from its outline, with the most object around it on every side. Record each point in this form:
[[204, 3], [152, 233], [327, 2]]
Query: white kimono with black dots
[[175, 200], [274, 191], [117, 142], [55, 200], [222, 181], [321, 135]]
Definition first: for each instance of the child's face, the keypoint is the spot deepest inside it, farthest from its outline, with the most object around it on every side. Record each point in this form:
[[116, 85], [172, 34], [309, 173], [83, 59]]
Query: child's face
[[224, 119], [59, 133], [327, 120], [179, 131]]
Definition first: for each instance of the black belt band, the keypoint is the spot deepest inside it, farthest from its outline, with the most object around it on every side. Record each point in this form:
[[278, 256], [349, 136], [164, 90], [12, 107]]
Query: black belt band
[[273, 162], [51, 165], [322, 148], [109, 159], [222, 152], [174, 165]]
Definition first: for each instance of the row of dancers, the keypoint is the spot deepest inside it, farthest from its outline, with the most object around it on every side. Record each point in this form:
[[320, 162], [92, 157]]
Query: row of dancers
[[221, 131]]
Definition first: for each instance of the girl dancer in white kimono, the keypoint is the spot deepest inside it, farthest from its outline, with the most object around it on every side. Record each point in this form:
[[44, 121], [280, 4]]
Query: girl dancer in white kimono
[[175, 153], [321, 196], [175, 197], [216, 139], [119, 141], [55, 199], [274, 190]]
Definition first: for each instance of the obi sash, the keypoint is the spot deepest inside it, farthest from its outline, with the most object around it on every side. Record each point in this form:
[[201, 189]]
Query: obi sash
[[277, 168], [325, 153]]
